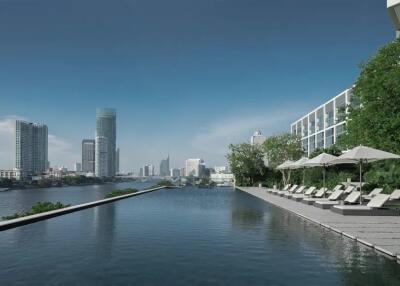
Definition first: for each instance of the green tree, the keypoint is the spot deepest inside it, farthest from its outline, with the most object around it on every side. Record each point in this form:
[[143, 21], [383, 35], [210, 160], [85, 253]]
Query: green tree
[[280, 148], [377, 122], [247, 163]]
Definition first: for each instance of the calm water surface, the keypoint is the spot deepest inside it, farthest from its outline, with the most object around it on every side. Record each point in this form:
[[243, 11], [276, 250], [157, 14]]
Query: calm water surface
[[22, 200], [187, 237]]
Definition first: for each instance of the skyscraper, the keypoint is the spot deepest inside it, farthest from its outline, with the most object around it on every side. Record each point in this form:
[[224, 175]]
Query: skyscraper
[[164, 167], [102, 158], [107, 133], [195, 167], [88, 155], [31, 146], [117, 161]]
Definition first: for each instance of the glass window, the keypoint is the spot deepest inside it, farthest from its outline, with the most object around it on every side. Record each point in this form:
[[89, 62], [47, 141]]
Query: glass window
[[329, 118], [320, 140], [320, 120], [298, 127], [311, 119], [305, 127], [329, 137], [312, 143], [304, 145], [340, 129]]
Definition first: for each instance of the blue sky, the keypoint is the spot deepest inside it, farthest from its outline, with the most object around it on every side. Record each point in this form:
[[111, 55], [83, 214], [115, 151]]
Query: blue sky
[[185, 76]]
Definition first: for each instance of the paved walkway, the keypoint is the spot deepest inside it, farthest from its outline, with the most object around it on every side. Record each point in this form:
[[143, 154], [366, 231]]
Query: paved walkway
[[379, 232]]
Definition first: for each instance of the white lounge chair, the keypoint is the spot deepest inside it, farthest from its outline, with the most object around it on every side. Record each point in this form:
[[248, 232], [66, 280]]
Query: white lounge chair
[[337, 187], [307, 193], [374, 208], [352, 198], [298, 191], [395, 195], [318, 195], [372, 194], [349, 189], [291, 190], [274, 191]]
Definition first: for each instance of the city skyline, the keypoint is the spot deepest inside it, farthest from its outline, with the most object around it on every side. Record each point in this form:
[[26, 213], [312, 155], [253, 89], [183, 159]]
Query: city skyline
[[216, 82]]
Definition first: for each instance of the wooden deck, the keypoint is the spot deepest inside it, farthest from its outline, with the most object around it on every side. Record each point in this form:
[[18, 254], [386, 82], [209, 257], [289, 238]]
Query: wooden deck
[[380, 232]]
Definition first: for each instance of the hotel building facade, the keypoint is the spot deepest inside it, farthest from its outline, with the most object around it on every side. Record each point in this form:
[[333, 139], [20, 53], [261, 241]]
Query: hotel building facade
[[321, 127]]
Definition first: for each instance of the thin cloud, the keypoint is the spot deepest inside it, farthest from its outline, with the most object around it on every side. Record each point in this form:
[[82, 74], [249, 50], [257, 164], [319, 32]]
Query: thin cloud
[[217, 137]]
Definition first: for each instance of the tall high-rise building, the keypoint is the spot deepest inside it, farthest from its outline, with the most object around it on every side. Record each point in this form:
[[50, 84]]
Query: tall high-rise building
[[117, 161], [175, 173], [102, 158], [106, 131], [78, 167], [88, 155], [31, 146], [164, 167], [195, 167], [148, 170]]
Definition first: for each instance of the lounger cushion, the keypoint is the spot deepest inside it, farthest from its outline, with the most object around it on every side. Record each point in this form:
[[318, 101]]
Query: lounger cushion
[[378, 201], [352, 198]]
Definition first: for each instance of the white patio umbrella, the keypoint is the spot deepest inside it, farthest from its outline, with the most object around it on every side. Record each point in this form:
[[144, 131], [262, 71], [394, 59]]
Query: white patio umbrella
[[299, 165], [284, 166], [322, 160], [363, 154]]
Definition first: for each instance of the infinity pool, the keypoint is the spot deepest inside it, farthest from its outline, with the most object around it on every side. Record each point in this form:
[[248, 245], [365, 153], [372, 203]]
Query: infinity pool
[[187, 237]]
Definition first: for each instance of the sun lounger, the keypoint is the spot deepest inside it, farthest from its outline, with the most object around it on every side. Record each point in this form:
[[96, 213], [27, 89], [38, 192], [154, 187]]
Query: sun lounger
[[352, 198], [337, 187], [307, 193], [277, 190], [298, 191], [318, 195], [395, 195], [374, 208], [349, 189], [372, 194], [291, 190]]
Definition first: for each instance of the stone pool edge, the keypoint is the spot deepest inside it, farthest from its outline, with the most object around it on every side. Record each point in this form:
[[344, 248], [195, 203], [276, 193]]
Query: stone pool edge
[[379, 249], [13, 223]]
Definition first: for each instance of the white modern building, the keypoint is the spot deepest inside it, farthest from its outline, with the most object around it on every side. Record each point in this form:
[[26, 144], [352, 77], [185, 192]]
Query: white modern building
[[221, 169], [194, 167], [14, 174], [257, 138], [221, 178], [394, 12], [101, 163], [321, 127]]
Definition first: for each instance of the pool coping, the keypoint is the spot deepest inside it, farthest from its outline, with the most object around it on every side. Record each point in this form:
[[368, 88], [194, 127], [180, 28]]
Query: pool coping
[[381, 250], [13, 223]]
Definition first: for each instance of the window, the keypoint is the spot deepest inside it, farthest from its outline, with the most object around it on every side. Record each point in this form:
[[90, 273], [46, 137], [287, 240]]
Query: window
[[320, 140], [329, 137], [312, 143], [320, 120], [311, 119]]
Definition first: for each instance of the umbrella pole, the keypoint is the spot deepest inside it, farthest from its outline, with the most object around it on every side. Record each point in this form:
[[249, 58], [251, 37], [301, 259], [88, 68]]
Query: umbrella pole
[[324, 177], [360, 182], [304, 173]]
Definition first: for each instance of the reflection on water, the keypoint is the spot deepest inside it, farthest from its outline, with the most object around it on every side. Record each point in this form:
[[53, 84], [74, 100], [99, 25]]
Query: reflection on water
[[104, 227], [187, 237], [22, 200]]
